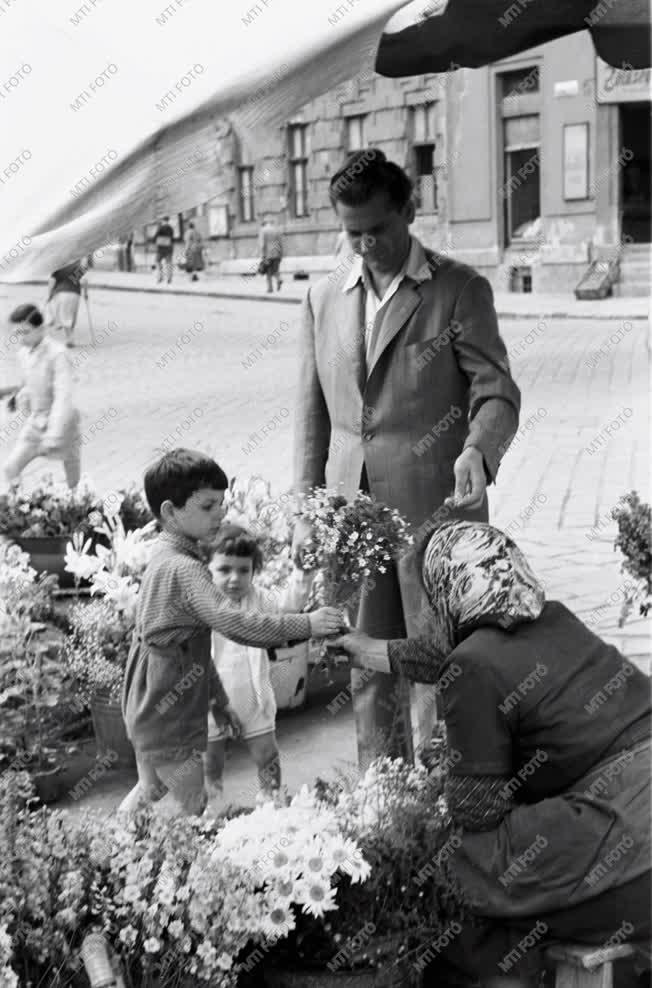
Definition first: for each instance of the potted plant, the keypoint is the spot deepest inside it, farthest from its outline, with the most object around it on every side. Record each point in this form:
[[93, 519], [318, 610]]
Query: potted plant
[[95, 653], [33, 682], [97, 647], [42, 522], [396, 816], [634, 539]]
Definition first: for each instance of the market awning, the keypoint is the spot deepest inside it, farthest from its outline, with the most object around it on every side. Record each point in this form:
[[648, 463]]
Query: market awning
[[432, 36]]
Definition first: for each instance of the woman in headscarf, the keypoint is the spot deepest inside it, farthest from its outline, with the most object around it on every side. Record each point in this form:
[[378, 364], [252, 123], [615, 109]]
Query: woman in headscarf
[[548, 737]]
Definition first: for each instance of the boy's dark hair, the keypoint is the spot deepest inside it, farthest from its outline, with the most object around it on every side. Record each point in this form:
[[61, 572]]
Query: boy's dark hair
[[233, 540], [27, 312], [364, 175], [177, 475]]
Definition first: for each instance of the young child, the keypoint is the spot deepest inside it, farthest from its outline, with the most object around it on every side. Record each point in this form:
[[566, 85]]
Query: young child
[[170, 682], [244, 671], [51, 421]]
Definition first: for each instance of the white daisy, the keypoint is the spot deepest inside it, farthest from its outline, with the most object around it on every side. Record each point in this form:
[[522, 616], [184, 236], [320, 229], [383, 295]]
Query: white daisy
[[279, 921], [317, 897]]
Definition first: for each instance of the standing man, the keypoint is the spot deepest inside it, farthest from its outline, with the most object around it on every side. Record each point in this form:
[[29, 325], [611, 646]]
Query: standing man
[[270, 241], [65, 290], [164, 240], [404, 392]]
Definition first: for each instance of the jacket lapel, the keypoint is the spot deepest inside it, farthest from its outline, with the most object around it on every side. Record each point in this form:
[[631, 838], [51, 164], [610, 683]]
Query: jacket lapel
[[393, 317]]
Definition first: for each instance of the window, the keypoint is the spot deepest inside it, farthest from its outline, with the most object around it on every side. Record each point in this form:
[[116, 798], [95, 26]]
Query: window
[[521, 191], [423, 156], [246, 191], [298, 155], [355, 133], [520, 82]]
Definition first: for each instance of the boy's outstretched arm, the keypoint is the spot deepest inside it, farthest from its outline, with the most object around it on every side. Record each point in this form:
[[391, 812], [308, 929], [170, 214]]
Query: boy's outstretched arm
[[212, 608]]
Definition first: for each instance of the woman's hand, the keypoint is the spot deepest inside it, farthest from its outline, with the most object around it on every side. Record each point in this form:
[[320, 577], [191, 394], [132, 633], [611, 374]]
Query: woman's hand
[[365, 652]]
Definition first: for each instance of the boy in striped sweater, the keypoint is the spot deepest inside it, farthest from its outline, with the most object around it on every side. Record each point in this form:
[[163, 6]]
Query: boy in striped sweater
[[170, 681]]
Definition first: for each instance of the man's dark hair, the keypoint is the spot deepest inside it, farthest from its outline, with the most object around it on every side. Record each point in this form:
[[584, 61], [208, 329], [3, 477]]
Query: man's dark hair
[[233, 540], [178, 475], [364, 175], [27, 312]]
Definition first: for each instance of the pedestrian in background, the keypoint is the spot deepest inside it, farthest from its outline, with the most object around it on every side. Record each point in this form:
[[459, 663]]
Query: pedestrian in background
[[45, 402], [65, 290], [164, 240], [194, 252], [270, 242]]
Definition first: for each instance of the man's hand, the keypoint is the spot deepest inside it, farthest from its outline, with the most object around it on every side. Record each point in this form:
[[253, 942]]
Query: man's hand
[[301, 535], [470, 480]]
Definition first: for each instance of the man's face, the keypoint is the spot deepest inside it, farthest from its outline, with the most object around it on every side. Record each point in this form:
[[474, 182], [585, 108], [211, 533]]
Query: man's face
[[378, 231], [200, 517]]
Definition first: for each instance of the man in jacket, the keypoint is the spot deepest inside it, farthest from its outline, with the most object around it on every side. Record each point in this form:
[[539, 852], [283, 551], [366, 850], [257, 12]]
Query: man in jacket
[[404, 392]]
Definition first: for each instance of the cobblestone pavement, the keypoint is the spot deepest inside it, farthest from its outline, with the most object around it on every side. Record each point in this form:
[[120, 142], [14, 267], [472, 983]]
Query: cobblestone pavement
[[219, 374]]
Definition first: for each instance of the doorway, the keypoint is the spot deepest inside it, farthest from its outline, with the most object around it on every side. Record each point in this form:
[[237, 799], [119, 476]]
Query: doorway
[[635, 134]]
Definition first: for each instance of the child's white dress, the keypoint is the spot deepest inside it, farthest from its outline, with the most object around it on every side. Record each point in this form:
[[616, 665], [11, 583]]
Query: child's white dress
[[244, 670]]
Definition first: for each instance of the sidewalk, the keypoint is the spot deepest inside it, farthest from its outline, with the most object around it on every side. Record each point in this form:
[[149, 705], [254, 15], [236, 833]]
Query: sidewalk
[[514, 305]]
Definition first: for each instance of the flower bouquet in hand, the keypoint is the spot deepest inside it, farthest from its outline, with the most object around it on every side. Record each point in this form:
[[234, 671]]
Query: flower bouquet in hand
[[351, 543]]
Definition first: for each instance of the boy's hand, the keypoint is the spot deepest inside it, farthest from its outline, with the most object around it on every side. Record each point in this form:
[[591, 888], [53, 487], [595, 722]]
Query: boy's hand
[[49, 445], [326, 621]]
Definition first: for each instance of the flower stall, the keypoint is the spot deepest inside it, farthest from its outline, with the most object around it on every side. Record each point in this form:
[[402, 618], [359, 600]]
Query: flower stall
[[326, 889], [42, 521], [38, 722]]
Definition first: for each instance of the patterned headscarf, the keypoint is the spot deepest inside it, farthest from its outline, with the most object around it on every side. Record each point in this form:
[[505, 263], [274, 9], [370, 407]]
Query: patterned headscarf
[[475, 575]]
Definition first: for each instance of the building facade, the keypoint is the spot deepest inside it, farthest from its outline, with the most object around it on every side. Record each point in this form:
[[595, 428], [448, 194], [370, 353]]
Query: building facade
[[527, 169]]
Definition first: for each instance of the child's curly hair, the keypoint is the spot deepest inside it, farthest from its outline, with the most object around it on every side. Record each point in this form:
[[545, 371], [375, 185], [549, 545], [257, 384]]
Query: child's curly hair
[[233, 540]]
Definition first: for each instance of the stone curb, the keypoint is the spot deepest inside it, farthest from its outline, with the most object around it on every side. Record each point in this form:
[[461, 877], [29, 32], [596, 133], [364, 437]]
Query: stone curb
[[292, 300]]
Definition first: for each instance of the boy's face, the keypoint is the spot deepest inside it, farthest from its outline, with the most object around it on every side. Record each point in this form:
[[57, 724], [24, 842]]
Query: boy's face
[[28, 335], [232, 574], [200, 517]]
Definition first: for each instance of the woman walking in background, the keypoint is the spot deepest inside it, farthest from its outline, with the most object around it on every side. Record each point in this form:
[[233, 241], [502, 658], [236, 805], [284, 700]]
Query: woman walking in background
[[66, 288], [194, 252], [271, 253]]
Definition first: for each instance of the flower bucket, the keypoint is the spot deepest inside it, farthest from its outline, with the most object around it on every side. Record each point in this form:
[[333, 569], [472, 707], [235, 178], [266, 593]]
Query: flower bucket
[[47, 555], [50, 784], [111, 733], [289, 675]]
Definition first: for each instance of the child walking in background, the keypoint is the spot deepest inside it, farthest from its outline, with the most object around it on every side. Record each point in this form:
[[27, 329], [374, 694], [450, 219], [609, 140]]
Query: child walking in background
[[244, 671], [170, 682], [45, 403]]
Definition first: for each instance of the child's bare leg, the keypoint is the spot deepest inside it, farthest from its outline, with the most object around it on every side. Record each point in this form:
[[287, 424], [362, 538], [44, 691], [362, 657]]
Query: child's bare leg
[[23, 453], [214, 767], [265, 754], [185, 782], [149, 789]]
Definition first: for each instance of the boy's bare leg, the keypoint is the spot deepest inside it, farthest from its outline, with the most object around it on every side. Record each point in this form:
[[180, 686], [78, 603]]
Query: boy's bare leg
[[23, 453], [265, 753], [149, 789], [72, 465], [214, 767], [185, 782]]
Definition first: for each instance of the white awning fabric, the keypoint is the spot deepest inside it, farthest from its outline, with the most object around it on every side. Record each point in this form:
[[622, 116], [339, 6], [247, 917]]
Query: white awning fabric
[[111, 110]]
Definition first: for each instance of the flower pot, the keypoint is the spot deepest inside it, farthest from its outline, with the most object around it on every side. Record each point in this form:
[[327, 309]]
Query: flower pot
[[289, 675], [46, 555], [50, 784], [111, 733]]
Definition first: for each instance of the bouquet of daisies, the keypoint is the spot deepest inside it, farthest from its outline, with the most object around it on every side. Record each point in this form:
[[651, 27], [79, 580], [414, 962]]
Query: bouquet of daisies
[[634, 539]]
